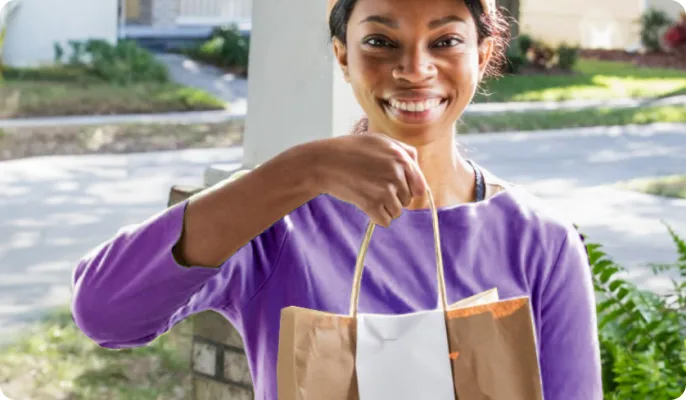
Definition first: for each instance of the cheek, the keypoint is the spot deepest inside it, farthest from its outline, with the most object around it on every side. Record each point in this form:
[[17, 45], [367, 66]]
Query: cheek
[[464, 72], [367, 76]]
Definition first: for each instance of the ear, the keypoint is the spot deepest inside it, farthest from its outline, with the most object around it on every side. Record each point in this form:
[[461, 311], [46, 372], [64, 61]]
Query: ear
[[341, 53], [485, 53]]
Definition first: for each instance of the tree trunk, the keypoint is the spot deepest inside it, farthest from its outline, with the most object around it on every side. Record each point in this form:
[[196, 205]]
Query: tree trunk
[[511, 10]]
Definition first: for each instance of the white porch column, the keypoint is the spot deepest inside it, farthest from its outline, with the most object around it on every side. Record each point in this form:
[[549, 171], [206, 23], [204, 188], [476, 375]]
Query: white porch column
[[296, 91]]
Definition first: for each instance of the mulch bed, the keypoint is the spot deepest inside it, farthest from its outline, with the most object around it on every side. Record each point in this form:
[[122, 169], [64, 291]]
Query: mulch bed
[[649, 59], [17, 143]]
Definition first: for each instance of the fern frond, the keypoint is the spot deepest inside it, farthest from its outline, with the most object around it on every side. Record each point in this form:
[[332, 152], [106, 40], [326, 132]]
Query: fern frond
[[680, 248]]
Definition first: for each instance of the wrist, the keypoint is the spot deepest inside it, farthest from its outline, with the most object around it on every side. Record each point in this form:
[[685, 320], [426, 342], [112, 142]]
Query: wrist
[[308, 162]]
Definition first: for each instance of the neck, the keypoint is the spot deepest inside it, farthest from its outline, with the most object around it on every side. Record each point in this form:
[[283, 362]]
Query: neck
[[448, 174]]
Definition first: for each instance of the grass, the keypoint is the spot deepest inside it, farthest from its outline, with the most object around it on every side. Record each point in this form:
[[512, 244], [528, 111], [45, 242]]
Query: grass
[[529, 121], [63, 91], [592, 80], [54, 360], [673, 186]]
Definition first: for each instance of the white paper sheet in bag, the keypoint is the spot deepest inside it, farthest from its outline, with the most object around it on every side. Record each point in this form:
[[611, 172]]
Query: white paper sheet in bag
[[403, 357]]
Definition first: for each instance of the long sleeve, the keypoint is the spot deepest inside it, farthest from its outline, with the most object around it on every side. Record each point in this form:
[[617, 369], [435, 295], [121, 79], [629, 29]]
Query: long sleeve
[[570, 353], [130, 290]]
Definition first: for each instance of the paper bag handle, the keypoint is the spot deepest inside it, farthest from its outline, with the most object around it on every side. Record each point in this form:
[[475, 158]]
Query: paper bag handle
[[359, 265]]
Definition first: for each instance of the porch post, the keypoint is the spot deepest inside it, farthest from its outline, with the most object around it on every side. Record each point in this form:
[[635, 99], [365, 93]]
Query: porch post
[[296, 91], [296, 94]]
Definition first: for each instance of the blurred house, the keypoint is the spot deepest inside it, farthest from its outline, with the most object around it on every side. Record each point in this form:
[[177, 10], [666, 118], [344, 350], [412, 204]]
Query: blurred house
[[34, 26], [609, 24], [160, 23]]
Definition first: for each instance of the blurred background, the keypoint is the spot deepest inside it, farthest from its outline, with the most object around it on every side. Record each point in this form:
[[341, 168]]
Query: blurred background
[[105, 105]]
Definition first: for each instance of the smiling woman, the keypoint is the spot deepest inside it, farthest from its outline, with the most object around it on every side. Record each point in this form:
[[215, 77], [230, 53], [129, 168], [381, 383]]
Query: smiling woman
[[287, 233], [379, 57]]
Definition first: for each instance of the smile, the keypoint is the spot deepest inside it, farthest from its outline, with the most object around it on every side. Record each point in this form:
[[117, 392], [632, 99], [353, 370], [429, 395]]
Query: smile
[[415, 111], [415, 106]]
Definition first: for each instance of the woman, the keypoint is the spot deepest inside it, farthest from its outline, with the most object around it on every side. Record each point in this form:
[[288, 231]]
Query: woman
[[288, 232]]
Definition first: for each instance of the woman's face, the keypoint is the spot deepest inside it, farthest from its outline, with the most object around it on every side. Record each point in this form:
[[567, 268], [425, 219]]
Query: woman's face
[[414, 65]]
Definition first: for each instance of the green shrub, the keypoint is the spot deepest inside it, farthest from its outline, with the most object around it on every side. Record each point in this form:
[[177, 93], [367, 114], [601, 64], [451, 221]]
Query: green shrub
[[541, 55], [226, 48], [642, 334], [124, 63], [652, 23], [567, 57], [525, 42], [514, 57]]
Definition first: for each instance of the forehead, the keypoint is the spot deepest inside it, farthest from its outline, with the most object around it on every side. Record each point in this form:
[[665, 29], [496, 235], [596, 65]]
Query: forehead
[[410, 11]]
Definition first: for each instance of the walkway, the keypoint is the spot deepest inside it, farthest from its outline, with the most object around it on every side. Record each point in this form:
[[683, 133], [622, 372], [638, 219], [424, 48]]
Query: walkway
[[228, 87], [57, 208], [571, 105]]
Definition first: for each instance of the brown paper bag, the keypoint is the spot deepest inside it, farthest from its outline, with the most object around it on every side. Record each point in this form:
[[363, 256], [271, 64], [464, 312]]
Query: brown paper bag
[[492, 346]]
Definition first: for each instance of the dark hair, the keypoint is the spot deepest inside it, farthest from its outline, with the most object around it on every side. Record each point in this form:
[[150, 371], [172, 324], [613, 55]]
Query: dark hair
[[494, 26]]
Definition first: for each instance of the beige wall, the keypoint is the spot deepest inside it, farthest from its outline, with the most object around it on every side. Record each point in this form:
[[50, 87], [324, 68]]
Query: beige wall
[[671, 7], [591, 24]]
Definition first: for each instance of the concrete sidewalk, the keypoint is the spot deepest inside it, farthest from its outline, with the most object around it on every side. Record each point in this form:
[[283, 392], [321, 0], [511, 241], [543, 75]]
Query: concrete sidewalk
[[571, 105], [182, 118]]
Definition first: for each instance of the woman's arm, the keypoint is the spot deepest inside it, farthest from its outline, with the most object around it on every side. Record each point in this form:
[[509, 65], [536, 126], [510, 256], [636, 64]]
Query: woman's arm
[[570, 349], [221, 220], [140, 283], [216, 249]]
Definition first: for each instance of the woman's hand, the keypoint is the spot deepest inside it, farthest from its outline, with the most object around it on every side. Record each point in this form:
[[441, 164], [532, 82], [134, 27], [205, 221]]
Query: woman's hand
[[377, 174]]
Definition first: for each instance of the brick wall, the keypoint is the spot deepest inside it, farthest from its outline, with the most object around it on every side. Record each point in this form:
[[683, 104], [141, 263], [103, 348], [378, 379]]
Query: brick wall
[[214, 347]]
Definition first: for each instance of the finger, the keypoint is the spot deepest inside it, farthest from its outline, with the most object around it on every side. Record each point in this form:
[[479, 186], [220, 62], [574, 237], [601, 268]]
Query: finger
[[393, 206], [383, 216], [416, 180], [413, 174], [403, 191], [410, 150]]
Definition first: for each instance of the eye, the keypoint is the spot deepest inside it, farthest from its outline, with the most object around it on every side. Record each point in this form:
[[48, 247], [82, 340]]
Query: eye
[[379, 42], [448, 42]]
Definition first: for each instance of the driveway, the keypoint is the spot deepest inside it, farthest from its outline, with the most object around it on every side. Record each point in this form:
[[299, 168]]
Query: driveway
[[54, 209], [574, 172]]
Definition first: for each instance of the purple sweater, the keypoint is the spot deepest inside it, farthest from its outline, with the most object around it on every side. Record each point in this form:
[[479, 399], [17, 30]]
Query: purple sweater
[[130, 290]]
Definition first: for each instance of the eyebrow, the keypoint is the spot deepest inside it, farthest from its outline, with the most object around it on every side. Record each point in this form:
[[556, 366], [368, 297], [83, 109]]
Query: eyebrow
[[391, 23]]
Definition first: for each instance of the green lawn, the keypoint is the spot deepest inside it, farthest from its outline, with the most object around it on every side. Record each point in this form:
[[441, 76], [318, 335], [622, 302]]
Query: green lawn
[[593, 80], [74, 91], [673, 186], [530, 121], [54, 360]]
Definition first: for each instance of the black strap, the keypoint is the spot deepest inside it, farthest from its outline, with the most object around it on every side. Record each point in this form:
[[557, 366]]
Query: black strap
[[480, 186]]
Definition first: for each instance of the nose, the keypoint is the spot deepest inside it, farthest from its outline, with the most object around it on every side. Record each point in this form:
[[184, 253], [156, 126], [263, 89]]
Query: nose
[[415, 66]]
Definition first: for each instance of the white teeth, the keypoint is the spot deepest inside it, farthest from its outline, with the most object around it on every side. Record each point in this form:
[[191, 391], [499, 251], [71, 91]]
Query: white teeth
[[415, 106]]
